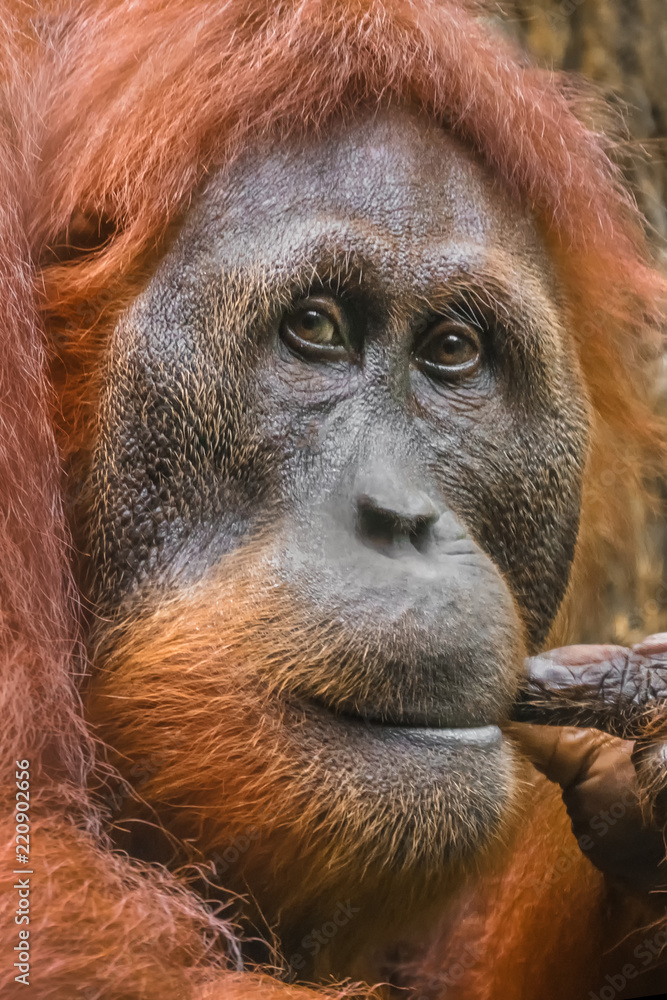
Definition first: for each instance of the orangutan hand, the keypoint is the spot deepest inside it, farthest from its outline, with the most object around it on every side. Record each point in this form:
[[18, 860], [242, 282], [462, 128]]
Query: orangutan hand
[[613, 776]]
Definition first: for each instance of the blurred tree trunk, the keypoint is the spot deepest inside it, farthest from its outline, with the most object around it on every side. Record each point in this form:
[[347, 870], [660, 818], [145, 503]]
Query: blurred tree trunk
[[621, 45]]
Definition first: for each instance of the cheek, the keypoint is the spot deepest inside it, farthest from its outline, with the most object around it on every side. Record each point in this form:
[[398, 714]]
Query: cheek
[[177, 476], [517, 485]]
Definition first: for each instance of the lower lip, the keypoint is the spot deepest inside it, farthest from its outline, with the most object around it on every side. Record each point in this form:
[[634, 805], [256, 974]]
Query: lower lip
[[477, 736], [443, 737]]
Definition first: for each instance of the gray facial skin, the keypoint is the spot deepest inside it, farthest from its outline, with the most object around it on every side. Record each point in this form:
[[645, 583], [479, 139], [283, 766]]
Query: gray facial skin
[[426, 524]]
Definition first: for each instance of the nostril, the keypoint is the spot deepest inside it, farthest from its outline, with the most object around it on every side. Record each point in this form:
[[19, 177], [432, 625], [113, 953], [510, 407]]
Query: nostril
[[388, 531], [421, 534], [377, 528]]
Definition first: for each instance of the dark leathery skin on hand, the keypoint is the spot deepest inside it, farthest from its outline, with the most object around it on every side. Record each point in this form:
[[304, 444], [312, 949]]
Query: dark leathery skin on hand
[[619, 690]]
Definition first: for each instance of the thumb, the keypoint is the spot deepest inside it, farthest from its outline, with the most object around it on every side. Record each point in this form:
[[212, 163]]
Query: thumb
[[562, 754]]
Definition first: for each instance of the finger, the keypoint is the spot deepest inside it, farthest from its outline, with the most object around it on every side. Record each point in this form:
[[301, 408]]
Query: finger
[[561, 754], [619, 690], [604, 800]]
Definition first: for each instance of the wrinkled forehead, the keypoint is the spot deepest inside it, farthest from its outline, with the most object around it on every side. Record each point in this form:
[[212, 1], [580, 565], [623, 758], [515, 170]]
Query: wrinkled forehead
[[393, 188]]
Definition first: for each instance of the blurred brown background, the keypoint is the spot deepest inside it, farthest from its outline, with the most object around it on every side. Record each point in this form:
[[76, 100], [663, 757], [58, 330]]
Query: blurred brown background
[[620, 45]]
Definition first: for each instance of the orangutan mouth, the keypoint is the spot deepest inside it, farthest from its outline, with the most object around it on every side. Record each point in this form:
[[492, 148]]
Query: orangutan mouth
[[416, 730]]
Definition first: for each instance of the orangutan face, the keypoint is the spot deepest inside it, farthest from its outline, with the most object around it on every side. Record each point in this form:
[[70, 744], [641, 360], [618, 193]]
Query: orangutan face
[[346, 394]]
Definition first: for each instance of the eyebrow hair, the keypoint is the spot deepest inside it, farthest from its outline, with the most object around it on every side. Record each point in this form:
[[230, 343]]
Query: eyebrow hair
[[329, 269], [482, 292], [469, 297], [488, 291]]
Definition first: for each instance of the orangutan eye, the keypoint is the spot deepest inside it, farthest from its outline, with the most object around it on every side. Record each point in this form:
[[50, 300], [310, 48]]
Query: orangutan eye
[[317, 328], [450, 351]]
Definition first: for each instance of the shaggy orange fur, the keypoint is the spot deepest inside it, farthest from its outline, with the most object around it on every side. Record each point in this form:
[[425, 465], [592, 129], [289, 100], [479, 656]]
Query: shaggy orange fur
[[113, 114]]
